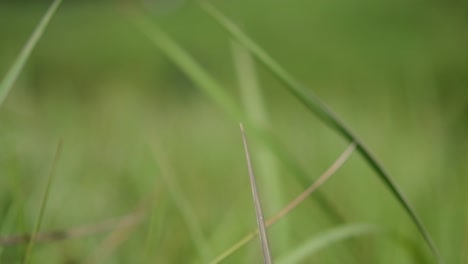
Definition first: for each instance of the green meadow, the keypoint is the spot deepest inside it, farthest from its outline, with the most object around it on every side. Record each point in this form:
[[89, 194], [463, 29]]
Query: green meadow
[[120, 138]]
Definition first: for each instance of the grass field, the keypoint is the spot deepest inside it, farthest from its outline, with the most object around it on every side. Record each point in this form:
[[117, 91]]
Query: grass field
[[152, 167]]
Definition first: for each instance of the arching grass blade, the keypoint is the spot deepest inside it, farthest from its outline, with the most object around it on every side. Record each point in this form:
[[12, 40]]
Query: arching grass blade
[[318, 242], [11, 76], [314, 104]]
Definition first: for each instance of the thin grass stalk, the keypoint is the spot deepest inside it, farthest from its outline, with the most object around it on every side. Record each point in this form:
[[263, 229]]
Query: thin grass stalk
[[44, 200], [314, 104], [258, 206], [290, 206], [267, 163], [319, 182], [12, 75]]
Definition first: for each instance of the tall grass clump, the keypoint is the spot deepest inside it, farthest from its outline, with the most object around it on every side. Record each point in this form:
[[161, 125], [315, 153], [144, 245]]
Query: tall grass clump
[[215, 91], [305, 96], [211, 225]]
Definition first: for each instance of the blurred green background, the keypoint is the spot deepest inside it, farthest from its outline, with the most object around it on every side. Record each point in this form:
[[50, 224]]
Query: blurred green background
[[395, 71]]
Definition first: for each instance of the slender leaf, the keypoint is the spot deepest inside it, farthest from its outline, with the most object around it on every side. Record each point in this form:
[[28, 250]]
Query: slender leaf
[[318, 242], [45, 198], [267, 164], [11, 76], [258, 206], [314, 104]]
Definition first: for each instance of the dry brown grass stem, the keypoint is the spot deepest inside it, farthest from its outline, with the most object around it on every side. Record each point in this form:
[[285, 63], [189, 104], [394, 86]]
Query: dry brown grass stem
[[293, 204]]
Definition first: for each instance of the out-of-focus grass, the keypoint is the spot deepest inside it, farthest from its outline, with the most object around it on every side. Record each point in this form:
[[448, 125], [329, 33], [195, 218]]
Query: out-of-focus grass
[[316, 105], [395, 71]]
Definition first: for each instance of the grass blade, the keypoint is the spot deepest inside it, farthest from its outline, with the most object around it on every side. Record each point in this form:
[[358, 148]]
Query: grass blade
[[300, 198], [314, 104], [267, 163], [258, 207], [13, 73], [37, 225], [316, 243]]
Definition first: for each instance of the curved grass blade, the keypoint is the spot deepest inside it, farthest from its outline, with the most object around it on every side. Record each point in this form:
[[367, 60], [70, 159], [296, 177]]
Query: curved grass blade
[[258, 206], [13, 73], [289, 207], [318, 242], [216, 92], [314, 104], [45, 198]]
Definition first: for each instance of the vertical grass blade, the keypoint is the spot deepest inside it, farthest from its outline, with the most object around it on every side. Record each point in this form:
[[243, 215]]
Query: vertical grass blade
[[318, 242], [314, 104], [45, 198], [267, 163], [293, 204], [258, 206], [13, 73]]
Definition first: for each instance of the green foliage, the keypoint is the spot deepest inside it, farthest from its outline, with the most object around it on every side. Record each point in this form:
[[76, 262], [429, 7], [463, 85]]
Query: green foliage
[[394, 70]]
